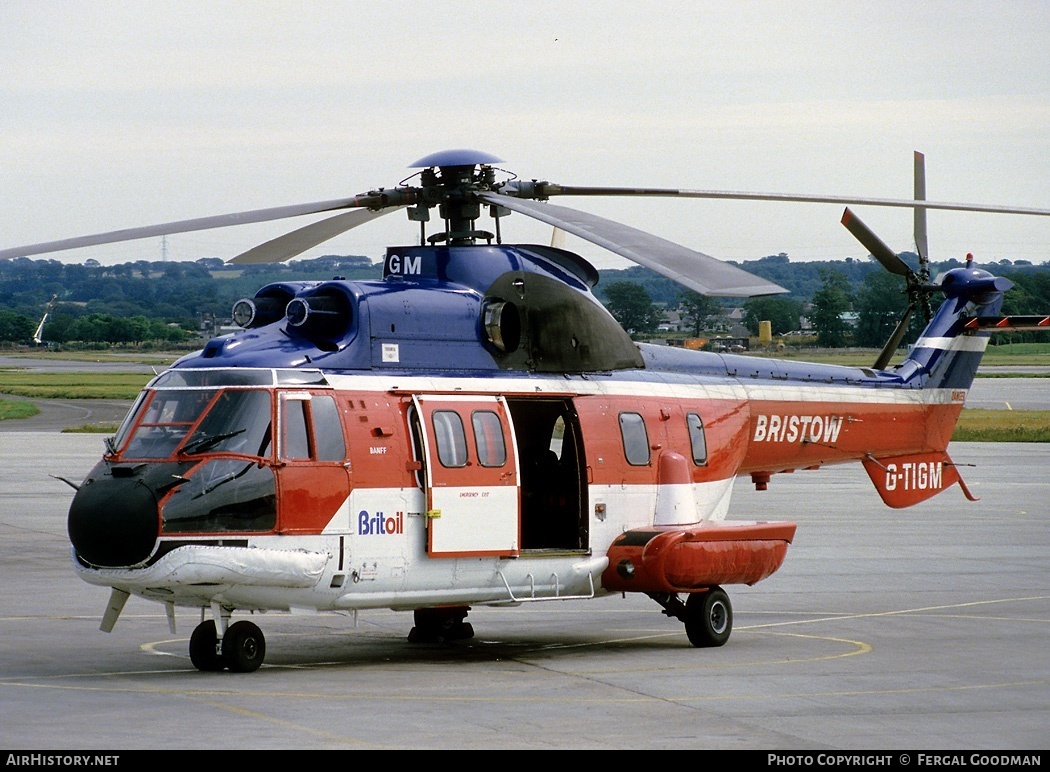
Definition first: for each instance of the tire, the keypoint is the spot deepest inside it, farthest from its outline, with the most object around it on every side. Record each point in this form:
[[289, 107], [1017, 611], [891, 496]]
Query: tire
[[243, 647], [708, 618], [438, 625], [202, 648]]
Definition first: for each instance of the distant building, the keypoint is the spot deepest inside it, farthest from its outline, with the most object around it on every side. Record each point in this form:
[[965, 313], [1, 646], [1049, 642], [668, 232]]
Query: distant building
[[670, 321]]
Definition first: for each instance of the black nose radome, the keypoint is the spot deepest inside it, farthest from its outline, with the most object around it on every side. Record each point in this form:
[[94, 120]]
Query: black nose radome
[[113, 519]]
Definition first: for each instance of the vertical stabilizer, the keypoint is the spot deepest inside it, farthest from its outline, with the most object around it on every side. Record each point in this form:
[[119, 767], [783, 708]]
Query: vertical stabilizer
[[948, 352]]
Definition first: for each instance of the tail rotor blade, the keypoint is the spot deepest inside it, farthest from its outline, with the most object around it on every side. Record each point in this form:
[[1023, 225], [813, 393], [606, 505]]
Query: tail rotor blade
[[895, 340], [875, 245], [921, 245], [920, 212]]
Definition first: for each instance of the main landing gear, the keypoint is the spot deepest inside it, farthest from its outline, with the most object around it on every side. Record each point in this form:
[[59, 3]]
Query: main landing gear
[[241, 650], [438, 625], [708, 615]]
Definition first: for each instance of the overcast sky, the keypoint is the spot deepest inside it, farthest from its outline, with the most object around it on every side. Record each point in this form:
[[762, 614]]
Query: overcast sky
[[121, 114]]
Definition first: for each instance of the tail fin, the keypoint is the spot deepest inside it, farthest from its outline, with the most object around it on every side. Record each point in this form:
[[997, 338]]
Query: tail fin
[[948, 352]]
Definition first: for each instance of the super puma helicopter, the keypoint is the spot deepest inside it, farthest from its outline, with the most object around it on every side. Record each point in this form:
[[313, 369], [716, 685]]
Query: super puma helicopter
[[476, 429]]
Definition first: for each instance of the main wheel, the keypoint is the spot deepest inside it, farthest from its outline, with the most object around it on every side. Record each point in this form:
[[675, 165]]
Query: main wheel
[[203, 648], [243, 647], [438, 625], [708, 618]]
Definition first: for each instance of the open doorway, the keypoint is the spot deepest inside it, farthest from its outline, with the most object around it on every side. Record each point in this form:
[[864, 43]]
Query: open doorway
[[553, 474]]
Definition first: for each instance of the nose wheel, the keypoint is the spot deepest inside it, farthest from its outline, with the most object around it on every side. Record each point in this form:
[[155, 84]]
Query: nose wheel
[[241, 650], [204, 648], [243, 647]]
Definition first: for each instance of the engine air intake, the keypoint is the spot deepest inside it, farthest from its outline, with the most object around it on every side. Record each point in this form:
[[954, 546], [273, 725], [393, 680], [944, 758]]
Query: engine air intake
[[323, 314]]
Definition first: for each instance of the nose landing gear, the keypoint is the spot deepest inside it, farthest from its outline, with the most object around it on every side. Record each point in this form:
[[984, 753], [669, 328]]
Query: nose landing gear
[[241, 649]]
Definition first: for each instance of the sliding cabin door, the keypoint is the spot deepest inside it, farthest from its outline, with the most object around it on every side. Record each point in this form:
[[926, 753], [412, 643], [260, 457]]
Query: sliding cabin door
[[470, 475]]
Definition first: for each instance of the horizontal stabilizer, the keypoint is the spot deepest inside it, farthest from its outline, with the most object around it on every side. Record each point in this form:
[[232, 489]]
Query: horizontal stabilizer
[[1008, 323], [906, 480]]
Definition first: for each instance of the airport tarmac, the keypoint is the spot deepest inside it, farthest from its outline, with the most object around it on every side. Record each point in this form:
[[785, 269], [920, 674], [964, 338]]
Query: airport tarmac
[[921, 629]]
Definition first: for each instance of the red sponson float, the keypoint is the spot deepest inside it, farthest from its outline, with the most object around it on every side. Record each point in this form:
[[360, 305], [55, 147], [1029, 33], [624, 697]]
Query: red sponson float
[[675, 558]]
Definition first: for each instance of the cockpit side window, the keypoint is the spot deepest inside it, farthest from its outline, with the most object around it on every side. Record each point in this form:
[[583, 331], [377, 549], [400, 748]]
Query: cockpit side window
[[311, 429], [296, 444], [330, 443]]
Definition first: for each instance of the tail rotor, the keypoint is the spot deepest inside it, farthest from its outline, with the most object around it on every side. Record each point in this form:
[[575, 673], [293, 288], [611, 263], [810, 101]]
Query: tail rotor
[[917, 282]]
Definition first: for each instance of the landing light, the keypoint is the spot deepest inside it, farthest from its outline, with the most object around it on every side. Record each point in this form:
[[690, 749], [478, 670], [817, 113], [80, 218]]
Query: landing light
[[243, 313], [297, 312]]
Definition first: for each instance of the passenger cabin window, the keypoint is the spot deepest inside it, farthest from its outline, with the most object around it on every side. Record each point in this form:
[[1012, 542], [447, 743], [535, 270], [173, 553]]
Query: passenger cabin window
[[558, 437], [488, 438], [697, 438], [635, 439], [311, 428], [451, 438]]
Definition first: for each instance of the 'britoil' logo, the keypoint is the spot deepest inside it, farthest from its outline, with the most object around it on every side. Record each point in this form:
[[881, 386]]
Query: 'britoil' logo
[[380, 525]]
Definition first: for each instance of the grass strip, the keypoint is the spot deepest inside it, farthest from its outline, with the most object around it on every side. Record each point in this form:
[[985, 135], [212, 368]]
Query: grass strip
[[976, 425], [72, 385], [10, 408]]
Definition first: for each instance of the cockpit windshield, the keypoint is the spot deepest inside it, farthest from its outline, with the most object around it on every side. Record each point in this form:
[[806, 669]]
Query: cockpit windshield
[[237, 421]]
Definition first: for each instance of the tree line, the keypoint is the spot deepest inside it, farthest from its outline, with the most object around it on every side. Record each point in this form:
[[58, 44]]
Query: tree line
[[847, 302], [844, 303], [141, 301]]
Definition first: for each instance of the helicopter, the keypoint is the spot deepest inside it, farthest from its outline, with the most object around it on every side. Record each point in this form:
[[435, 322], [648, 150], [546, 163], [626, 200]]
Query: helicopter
[[476, 429]]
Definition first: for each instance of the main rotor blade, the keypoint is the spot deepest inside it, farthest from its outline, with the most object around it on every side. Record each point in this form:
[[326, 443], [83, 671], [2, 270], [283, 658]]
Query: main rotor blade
[[185, 226], [551, 189], [920, 214], [895, 340], [298, 241], [695, 270], [875, 245]]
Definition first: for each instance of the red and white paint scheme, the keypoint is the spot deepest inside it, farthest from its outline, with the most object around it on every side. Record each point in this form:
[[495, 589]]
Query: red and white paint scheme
[[477, 429]]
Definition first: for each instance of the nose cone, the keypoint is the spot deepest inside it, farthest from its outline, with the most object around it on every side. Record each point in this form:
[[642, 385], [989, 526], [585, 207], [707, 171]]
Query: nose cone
[[113, 519]]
